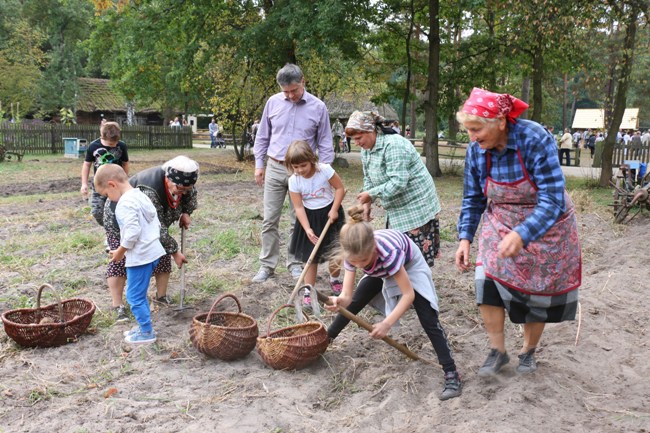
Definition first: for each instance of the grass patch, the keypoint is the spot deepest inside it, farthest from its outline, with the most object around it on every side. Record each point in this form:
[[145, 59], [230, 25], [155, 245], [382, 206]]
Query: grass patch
[[210, 285]]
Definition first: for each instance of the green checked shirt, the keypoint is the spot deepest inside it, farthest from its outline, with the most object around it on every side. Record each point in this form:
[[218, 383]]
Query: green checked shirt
[[394, 173]]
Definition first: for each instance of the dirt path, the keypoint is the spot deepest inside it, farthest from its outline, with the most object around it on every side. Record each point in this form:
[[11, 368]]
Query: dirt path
[[600, 384]]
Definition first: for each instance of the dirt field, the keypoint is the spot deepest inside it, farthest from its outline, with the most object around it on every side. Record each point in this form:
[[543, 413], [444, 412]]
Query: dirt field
[[593, 376]]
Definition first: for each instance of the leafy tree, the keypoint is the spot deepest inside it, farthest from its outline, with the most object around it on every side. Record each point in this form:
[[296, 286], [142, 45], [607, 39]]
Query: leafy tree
[[20, 58], [66, 24], [629, 13]]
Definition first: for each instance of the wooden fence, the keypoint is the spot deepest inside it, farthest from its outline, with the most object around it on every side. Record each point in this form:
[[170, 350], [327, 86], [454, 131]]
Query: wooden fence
[[623, 152], [41, 139]]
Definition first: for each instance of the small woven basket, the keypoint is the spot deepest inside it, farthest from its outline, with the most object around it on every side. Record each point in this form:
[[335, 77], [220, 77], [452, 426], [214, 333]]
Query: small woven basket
[[223, 335], [293, 347], [50, 326]]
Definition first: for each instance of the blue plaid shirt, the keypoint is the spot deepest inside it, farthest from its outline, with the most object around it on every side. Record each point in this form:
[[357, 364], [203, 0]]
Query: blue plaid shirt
[[539, 153]]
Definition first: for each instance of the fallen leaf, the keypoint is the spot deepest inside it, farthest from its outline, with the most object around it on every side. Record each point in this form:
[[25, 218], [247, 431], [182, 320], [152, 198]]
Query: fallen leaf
[[110, 392]]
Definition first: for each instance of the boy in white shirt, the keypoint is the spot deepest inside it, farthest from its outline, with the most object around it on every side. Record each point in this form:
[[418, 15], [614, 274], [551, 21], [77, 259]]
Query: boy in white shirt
[[139, 241]]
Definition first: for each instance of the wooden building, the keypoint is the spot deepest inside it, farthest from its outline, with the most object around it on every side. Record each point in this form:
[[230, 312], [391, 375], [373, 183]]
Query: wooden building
[[97, 101], [341, 108]]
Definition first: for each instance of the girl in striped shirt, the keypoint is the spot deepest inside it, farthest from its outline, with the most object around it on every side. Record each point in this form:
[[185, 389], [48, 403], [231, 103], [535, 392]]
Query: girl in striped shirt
[[392, 256]]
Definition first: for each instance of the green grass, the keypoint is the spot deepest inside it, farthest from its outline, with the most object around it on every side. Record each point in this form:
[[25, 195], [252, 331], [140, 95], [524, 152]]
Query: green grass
[[50, 244], [210, 285]]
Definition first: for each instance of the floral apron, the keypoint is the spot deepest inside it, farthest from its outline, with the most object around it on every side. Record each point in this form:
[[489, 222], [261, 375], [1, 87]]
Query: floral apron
[[550, 265]]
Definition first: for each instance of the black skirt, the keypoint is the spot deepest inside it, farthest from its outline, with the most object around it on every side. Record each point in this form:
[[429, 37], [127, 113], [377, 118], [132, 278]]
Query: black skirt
[[302, 247]]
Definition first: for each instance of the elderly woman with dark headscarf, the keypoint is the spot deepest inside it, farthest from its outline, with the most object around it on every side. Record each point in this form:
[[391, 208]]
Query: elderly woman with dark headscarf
[[171, 188], [529, 259]]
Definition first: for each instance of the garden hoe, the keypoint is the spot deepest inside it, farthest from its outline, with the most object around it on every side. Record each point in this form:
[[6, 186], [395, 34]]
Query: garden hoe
[[181, 305], [296, 300], [368, 327]]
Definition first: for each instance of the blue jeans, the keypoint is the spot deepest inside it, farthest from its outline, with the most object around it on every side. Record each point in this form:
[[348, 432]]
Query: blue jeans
[[137, 283]]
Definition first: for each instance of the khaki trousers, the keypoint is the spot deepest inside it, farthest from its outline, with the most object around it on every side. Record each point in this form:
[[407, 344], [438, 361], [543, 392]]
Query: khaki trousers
[[276, 186]]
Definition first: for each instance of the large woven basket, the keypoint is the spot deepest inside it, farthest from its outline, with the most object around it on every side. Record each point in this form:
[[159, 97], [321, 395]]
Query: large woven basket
[[49, 326], [292, 347], [224, 335]]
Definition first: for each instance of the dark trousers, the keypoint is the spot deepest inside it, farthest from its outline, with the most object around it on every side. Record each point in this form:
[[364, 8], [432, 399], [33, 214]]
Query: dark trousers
[[368, 288], [567, 153]]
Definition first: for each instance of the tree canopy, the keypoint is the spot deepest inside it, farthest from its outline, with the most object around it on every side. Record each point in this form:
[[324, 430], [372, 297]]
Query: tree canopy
[[421, 56]]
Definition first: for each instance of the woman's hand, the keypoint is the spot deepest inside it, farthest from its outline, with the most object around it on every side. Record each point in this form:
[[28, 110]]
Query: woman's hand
[[179, 259], [380, 330], [363, 197], [366, 212], [510, 245], [84, 191], [462, 255], [333, 215], [338, 301], [185, 221]]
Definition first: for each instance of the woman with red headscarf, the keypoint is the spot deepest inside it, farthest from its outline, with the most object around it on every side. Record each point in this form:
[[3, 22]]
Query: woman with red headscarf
[[528, 260]]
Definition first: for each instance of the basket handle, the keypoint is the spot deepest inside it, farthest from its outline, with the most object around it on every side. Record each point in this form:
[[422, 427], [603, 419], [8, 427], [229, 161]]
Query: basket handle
[[222, 297], [60, 304], [277, 310]]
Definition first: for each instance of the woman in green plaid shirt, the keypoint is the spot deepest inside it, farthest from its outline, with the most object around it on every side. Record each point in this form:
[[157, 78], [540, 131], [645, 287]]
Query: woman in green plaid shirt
[[394, 174]]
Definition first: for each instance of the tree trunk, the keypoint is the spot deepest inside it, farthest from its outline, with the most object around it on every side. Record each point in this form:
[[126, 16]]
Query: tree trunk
[[431, 105], [538, 77], [490, 21], [130, 113], [413, 112], [409, 67], [620, 100], [525, 94], [564, 101]]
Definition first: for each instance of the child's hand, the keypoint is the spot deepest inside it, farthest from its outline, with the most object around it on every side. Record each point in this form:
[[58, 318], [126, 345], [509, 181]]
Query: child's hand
[[312, 236], [380, 330], [332, 215], [336, 302], [115, 255]]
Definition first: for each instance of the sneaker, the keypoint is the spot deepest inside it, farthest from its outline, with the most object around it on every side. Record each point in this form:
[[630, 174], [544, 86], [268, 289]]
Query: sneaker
[[139, 337], [493, 363], [453, 386], [164, 300], [527, 363], [296, 272], [120, 314], [131, 331], [337, 287], [306, 300], [262, 275]]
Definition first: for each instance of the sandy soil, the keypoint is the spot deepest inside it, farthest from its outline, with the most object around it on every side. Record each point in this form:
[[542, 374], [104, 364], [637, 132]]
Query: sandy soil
[[594, 381]]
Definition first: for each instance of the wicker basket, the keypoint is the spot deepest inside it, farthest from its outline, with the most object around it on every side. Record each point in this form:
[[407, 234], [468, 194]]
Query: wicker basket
[[49, 326], [293, 347], [226, 336]]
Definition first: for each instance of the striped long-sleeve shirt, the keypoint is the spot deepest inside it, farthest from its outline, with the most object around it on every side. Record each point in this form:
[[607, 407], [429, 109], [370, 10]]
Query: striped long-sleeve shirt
[[393, 251]]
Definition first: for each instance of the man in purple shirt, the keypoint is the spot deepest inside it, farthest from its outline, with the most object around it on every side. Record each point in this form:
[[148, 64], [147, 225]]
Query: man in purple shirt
[[293, 114]]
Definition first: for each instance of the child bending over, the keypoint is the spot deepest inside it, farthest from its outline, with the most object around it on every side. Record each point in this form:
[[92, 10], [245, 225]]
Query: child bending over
[[394, 257], [316, 192], [139, 241]]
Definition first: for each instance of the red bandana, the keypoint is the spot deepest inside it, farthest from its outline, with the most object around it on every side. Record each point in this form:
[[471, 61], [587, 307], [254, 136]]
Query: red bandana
[[172, 200], [489, 105]]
